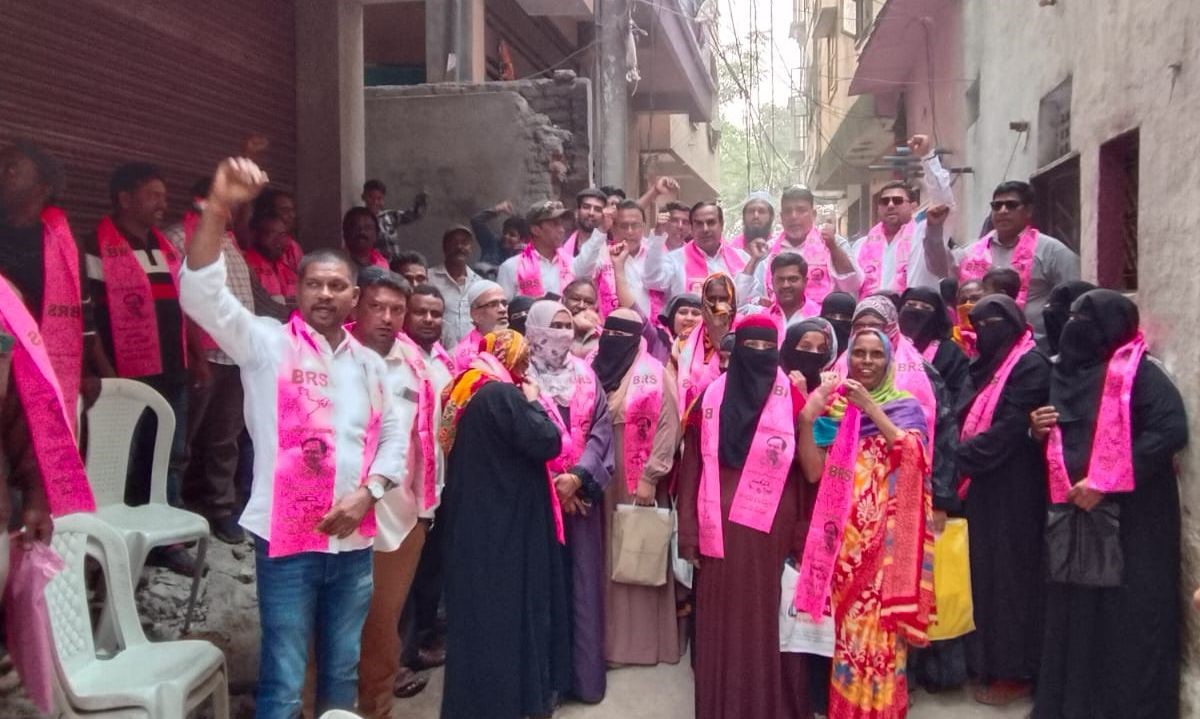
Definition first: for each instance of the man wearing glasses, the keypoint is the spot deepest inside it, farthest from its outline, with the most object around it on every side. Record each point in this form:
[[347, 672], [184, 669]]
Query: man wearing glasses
[[891, 257], [489, 312], [1042, 262]]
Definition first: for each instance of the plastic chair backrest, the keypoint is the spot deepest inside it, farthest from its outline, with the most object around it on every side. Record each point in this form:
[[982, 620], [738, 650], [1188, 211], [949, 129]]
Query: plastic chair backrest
[[111, 424], [76, 537], [339, 714]]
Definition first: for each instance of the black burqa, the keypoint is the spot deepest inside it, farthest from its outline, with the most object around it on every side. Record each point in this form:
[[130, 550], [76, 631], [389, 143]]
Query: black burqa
[[1006, 501], [1058, 310], [838, 308], [508, 651], [926, 326], [1114, 653]]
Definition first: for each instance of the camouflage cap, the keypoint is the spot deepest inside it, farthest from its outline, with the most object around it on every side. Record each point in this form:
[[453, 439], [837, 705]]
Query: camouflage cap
[[545, 210]]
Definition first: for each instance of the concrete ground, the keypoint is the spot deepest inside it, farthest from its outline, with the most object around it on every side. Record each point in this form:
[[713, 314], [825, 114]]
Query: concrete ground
[[670, 690]]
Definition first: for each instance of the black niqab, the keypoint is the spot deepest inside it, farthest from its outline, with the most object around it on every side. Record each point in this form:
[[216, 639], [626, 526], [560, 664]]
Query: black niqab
[[994, 339], [615, 354], [748, 383], [840, 303], [807, 363], [1058, 309], [518, 310], [920, 325], [1105, 320]]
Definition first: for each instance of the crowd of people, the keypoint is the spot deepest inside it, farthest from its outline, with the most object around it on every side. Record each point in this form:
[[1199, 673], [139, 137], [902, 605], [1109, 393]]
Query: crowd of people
[[430, 459]]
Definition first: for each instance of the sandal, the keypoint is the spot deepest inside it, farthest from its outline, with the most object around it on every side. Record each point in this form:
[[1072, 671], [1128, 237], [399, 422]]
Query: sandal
[[409, 683]]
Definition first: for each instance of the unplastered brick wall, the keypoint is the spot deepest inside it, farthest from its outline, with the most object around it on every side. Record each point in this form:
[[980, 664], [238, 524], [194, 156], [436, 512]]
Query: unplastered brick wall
[[469, 146]]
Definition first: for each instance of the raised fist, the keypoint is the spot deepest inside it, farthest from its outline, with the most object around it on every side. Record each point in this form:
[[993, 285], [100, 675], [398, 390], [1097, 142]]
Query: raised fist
[[237, 181], [504, 208], [666, 186], [920, 145], [757, 249]]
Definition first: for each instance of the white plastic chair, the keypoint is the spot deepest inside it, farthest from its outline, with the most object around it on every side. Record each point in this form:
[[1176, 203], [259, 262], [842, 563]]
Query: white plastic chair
[[151, 679], [340, 714], [111, 424]]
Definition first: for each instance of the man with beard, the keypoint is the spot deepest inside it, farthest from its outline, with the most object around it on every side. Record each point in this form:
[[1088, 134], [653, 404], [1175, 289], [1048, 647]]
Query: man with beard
[[489, 312], [360, 233], [453, 279], [308, 378], [685, 269], [758, 218], [589, 215], [826, 254], [789, 273]]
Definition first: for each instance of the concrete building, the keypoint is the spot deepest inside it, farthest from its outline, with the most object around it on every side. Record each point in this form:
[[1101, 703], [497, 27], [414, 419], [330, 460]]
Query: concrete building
[[310, 76], [1096, 108], [475, 103]]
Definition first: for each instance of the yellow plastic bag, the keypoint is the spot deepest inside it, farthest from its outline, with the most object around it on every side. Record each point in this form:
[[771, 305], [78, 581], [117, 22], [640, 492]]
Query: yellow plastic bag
[[952, 583]]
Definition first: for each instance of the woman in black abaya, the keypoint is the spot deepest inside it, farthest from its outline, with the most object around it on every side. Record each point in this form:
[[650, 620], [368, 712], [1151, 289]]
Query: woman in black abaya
[[1005, 504], [923, 319], [1113, 653]]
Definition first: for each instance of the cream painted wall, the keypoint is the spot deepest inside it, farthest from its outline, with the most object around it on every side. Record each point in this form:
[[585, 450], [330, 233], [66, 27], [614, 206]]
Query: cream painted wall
[[1134, 65]]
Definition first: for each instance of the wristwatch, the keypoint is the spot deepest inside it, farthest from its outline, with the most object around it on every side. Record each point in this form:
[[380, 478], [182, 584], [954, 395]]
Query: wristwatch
[[376, 489]]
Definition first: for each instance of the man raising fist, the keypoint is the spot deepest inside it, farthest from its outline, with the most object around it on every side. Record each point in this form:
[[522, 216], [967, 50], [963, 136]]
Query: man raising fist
[[311, 517]]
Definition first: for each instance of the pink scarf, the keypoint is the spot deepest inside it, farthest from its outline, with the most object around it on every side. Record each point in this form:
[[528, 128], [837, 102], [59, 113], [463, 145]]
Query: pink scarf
[[568, 247], [695, 264], [810, 309], [979, 260], [694, 373], [870, 258], [378, 260], [529, 272], [466, 350], [606, 282], [1110, 467], [643, 403], [931, 350], [426, 401], [60, 465], [983, 409], [575, 437], [62, 307], [764, 476], [303, 484], [131, 302], [834, 497]]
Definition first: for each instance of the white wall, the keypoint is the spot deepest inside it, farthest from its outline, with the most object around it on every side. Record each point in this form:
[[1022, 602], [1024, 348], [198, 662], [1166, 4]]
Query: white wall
[[1121, 54]]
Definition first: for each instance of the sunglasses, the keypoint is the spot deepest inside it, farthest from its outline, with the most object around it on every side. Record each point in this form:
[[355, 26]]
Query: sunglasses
[[892, 200], [1009, 205]]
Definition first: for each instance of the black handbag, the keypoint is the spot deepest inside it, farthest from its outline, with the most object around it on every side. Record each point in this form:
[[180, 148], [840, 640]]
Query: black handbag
[[1084, 548]]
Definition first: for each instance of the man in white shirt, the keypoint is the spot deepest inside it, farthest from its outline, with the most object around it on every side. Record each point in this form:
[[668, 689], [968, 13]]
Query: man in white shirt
[[453, 278], [378, 320], [542, 267], [827, 255], [595, 262], [789, 272], [423, 326], [306, 383], [685, 269], [882, 261]]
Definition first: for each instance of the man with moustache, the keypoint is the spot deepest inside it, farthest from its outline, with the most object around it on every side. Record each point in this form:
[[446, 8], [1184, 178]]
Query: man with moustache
[[132, 272], [596, 261], [758, 218], [307, 378], [427, 467], [453, 279], [489, 311], [589, 215], [685, 269], [544, 266], [360, 233]]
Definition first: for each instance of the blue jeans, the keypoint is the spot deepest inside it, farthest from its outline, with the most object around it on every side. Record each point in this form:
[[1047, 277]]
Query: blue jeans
[[317, 598]]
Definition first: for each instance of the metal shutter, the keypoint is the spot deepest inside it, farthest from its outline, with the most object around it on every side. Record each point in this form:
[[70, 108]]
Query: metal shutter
[[173, 82]]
